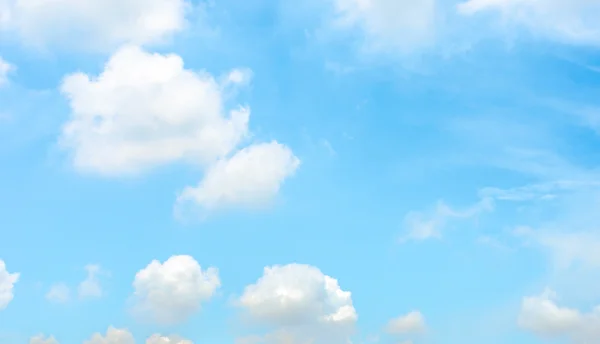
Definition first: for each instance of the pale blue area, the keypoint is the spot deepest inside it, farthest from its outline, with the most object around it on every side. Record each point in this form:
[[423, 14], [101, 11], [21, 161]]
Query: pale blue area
[[403, 140]]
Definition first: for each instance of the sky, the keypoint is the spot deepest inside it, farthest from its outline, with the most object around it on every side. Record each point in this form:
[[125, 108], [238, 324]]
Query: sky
[[285, 172]]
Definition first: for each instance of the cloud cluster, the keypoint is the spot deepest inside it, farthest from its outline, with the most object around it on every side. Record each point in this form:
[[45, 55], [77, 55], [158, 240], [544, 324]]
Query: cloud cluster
[[147, 110]]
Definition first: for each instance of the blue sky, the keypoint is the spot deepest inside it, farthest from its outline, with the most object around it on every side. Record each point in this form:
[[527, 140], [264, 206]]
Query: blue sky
[[375, 171]]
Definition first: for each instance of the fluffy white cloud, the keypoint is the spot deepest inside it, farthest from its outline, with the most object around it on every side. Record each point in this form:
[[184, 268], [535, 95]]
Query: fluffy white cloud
[[113, 336], [390, 25], [250, 178], [59, 293], [301, 303], [568, 21], [41, 339], [90, 287], [93, 24], [411, 323], [542, 316], [428, 225], [158, 339], [7, 284], [5, 67], [170, 292], [145, 110]]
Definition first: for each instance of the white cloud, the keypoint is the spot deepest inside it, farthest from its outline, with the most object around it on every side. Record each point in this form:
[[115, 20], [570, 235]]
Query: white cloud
[[41, 339], [250, 178], [567, 249], [170, 292], [113, 336], [158, 339], [93, 24], [568, 21], [145, 110], [400, 26], [301, 303], [59, 293], [429, 225], [411, 323], [542, 316], [90, 287], [5, 68], [7, 284]]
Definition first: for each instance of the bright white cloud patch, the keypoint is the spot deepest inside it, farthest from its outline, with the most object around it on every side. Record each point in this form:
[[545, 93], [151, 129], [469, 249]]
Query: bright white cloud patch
[[41, 339], [5, 67], [58, 293], [158, 339], [390, 25], [251, 177], [145, 110], [542, 316], [113, 336], [411, 323], [7, 284], [568, 21], [93, 24], [170, 292], [90, 287], [301, 303]]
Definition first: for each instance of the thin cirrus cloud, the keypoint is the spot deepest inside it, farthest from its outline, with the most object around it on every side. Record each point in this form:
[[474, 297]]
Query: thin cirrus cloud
[[5, 68], [398, 26], [411, 323], [59, 293], [93, 24], [574, 22], [146, 110]]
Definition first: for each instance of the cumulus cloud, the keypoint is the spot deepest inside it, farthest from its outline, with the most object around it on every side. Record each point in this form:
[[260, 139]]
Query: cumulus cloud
[[58, 293], [170, 292], [5, 68], [90, 287], [7, 284], [542, 316], [251, 177], [411, 323], [41, 339], [145, 110], [158, 339], [390, 25], [301, 304], [113, 336], [93, 24], [568, 21]]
